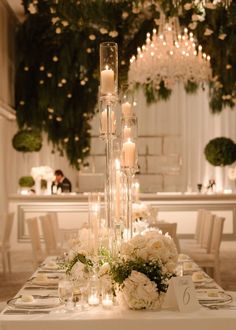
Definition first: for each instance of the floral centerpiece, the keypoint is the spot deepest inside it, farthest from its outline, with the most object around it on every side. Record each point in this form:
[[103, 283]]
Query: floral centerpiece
[[139, 274], [144, 268]]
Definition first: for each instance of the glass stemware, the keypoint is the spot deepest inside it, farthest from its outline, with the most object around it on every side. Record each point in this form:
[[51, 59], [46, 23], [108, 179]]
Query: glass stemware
[[65, 293]]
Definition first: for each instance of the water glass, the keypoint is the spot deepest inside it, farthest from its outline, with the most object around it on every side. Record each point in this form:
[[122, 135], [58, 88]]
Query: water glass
[[65, 293]]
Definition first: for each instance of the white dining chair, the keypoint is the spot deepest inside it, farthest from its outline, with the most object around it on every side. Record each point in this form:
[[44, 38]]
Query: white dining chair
[[210, 260], [50, 239], [5, 245], [202, 234], [61, 235], [33, 229]]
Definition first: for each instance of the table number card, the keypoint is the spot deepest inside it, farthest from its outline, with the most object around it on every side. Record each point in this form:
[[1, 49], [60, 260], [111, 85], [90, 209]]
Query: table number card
[[181, 295]]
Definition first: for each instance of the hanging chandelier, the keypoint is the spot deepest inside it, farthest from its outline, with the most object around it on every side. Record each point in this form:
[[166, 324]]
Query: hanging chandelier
[[169, 57], [205, 3]]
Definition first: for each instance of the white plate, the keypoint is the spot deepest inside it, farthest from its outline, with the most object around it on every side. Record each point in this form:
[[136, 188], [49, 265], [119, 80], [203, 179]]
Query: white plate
[[45, 282], [209, 296], [37, 303]]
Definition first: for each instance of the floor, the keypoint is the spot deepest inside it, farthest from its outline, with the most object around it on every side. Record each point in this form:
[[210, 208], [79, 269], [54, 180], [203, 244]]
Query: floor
[[22, 268]]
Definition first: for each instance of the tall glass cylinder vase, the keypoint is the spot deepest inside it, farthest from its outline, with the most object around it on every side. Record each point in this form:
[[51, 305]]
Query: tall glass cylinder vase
[[94, 200], [108, 103]]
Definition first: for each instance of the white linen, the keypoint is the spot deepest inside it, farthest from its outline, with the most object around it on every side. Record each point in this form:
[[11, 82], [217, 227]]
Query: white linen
[[100, 319]]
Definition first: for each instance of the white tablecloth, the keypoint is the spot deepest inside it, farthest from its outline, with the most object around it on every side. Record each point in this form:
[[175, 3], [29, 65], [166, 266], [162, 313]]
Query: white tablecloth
[[97, 318], [117, 319]]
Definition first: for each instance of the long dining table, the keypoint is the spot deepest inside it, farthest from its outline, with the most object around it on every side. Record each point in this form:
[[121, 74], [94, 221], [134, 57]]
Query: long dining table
[[212, 316]]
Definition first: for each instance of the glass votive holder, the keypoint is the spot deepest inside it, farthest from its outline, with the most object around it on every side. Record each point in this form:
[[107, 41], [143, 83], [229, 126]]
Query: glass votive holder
[[93, 299], [108, 69], [107, 118], [107, 298], [94, 291]]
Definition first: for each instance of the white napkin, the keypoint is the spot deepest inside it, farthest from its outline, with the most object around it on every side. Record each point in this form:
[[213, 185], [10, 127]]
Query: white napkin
[[210, 294]]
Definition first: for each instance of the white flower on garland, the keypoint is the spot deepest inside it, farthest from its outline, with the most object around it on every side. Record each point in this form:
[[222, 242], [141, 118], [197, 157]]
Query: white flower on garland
[[208, 32], [32, 9], [113, 34]]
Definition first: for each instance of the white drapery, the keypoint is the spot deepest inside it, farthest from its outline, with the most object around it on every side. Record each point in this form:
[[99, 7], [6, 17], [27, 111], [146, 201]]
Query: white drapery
[[189, 117]]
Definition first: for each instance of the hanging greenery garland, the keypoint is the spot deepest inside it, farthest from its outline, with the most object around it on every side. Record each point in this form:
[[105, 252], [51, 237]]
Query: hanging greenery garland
[[57, 74]]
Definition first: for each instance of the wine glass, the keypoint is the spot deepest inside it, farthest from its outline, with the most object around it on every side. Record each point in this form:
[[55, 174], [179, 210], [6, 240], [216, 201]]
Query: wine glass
[[65, 293]]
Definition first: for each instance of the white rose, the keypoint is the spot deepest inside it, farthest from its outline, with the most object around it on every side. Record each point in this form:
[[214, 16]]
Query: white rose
[[139, 292], [138, 242], [143, 254]]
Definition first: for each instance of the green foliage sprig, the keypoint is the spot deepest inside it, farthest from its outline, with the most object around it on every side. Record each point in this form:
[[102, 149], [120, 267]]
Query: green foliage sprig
[[220, 151], [78, 257]]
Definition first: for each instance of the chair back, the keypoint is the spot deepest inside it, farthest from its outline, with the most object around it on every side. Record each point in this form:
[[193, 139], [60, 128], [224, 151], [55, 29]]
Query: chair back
[[207, 233], [200, 215], [33, 230], [7, 228], [217, 233], [48, 234], [55, 225]]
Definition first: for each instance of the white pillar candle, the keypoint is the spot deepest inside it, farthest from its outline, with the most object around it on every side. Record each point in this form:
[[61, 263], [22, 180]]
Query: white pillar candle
[[107, 81], [128, 151], [127, 109], [104, 121], [127, 132]]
